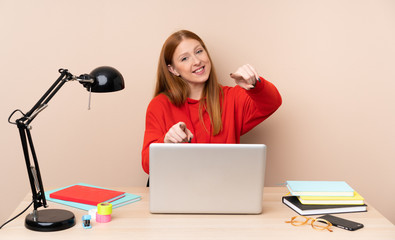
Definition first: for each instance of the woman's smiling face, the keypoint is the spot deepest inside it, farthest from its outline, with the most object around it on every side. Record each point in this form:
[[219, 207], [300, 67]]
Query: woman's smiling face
[[191, 62]]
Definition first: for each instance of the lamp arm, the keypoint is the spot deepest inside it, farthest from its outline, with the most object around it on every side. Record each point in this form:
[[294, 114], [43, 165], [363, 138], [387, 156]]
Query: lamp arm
[[43, 101], [33, 170]]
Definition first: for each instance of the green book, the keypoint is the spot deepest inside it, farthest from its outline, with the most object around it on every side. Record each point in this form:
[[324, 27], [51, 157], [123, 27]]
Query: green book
[[320, 188]]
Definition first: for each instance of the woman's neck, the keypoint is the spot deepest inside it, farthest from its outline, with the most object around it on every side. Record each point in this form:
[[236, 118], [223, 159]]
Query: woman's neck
[[196, 91]]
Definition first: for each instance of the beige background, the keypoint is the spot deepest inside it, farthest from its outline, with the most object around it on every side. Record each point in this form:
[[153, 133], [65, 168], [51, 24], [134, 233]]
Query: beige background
[[333, 62]]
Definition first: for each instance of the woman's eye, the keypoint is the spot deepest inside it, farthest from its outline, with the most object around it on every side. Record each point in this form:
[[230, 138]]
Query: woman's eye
[[199, 51]]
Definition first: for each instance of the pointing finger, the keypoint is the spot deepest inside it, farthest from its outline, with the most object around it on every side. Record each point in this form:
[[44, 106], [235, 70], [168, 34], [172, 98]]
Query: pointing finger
[[253, 71]]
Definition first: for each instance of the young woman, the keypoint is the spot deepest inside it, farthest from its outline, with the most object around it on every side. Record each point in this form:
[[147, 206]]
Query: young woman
[[190, 105]]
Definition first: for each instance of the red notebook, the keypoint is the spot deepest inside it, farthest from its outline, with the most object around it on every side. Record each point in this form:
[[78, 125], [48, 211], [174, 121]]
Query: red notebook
[[86, 195]]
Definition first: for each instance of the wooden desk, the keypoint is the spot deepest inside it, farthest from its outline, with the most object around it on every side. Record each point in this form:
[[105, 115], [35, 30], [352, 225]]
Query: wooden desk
[[134, 221]]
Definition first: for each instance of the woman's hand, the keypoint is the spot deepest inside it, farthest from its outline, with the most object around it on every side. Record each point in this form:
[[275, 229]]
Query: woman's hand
[[245, 77], [178, 133]]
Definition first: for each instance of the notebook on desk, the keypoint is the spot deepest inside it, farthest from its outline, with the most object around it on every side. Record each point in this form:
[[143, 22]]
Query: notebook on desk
[[207, 178]]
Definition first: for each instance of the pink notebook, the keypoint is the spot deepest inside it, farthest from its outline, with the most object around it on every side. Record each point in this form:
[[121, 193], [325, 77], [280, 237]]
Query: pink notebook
[[86, 195]]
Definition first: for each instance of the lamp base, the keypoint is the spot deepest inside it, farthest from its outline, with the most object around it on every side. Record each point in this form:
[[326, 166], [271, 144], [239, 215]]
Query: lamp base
[[49, 220]]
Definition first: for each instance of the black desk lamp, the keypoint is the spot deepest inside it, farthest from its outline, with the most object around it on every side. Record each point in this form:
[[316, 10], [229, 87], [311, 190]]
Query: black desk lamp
[[101, 79]]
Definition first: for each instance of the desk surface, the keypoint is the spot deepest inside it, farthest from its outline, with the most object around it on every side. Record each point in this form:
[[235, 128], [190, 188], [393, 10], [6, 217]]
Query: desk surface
[[134, 221]]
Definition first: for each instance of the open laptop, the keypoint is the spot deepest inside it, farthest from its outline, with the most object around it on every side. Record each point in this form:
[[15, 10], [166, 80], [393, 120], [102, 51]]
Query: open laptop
[[207, 178]]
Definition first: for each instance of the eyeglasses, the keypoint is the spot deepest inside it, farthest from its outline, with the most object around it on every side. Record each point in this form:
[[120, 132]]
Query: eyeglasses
[[316, 223]]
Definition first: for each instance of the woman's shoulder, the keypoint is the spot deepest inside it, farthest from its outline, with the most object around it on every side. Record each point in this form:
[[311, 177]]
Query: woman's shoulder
[[160, 100]]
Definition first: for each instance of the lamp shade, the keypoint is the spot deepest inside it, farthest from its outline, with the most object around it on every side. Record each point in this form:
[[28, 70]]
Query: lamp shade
[[106, 79]]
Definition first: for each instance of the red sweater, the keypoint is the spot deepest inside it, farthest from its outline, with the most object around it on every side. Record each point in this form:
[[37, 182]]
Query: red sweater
[[242, 110]]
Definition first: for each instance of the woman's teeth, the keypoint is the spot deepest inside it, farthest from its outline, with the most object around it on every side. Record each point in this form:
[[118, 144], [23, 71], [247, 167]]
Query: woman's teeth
[[199, 70]]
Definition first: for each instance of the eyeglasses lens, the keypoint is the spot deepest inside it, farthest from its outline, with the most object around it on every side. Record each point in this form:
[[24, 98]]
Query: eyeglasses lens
[[320, 225], [299, 220]]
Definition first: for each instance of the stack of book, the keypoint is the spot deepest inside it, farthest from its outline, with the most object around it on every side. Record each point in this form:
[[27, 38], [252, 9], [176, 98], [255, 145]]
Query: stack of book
[[323, 197], [86, 197]]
